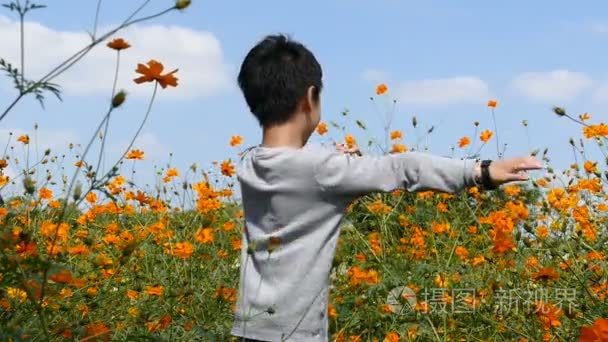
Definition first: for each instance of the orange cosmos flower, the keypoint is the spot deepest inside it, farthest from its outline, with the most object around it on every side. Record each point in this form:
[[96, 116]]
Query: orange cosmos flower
[[396, 135], [155, 290], [593, 131], [152, 73], [118, 44], [486, 135], [162, 324], [135, 155], [350, 141], [227, 168], [548, 314], [590, 166], [133, 295], [398, 148], [204, 235], [91, 197], [598, 332], [236, 140], [226, 293], [359, 276], [492, 103], [331, 311], [172, 172], [546, 273], [98, 332], [25, 139], [391, 337], [182, 250], [381, 89], [322, 128], [464, 142], [3, 180], [45, 193], [461, 252]]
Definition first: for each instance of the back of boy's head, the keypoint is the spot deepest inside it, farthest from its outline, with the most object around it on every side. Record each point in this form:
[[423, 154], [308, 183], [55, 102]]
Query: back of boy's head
[[275, 77]]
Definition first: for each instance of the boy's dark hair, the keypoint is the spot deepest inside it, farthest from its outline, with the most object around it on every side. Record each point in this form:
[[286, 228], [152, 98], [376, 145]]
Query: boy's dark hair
[[275, 76]]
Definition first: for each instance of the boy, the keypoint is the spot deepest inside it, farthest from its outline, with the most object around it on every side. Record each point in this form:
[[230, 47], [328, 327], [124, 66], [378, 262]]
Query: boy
[[295, 195]]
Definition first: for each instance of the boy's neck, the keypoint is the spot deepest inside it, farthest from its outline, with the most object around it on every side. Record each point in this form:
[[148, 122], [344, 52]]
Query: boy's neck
[[288, 134]]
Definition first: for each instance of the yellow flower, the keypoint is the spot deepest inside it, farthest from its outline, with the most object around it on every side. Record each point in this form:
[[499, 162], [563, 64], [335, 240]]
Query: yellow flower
[[16, 294], [441, 280]]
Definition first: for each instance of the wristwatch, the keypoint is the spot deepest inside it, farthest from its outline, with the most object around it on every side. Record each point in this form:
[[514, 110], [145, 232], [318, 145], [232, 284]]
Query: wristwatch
[[486, 179]]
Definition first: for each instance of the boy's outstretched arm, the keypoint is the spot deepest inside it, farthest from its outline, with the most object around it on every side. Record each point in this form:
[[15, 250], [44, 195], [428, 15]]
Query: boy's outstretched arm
[[348, 175]]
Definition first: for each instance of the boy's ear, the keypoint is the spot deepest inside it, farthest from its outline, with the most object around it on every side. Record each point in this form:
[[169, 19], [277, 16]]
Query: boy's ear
[[310, 100]]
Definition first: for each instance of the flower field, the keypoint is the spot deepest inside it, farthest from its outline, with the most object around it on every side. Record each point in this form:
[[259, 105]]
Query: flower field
[[88, 255]]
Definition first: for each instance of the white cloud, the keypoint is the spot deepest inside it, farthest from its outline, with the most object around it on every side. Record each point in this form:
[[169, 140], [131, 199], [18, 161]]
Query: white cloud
[[198, 55], [557, 85], [375, 75], [464, 89], [600, 95], [56, 140], [600, 28], [148, 142]]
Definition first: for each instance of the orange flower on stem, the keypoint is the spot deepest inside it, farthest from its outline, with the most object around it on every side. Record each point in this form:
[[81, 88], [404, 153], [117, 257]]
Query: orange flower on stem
[[464, 142], [25, 139], [322, 128], [492, 103], [227, 168], [135, 155], [597, 332], [118, 44], [236, 140], [152, 72], [486, 135], [381, 89]]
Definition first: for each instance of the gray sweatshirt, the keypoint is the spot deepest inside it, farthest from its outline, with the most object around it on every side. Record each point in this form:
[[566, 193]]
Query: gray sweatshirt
[[294, 200]]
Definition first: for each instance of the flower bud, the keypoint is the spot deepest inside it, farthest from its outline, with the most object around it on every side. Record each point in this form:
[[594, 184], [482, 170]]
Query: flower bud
[[119, 99], [559, 111], [182, 4], [77, 192], [29, 185]]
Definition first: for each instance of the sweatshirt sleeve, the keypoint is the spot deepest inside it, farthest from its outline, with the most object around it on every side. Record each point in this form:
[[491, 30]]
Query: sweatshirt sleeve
[[346, 175]]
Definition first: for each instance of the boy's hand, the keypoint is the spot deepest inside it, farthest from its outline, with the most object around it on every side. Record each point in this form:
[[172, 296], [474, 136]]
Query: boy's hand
[[510, 170], [344, 149]]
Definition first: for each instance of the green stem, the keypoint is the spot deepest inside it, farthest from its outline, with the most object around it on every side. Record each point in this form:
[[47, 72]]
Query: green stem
[[65, 65]]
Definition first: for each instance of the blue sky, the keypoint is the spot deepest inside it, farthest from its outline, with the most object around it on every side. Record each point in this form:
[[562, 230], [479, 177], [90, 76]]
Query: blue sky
[[442, 60]]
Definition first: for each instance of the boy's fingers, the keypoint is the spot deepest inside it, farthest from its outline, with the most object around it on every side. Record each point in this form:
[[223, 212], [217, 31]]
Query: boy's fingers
[[528, 163]]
